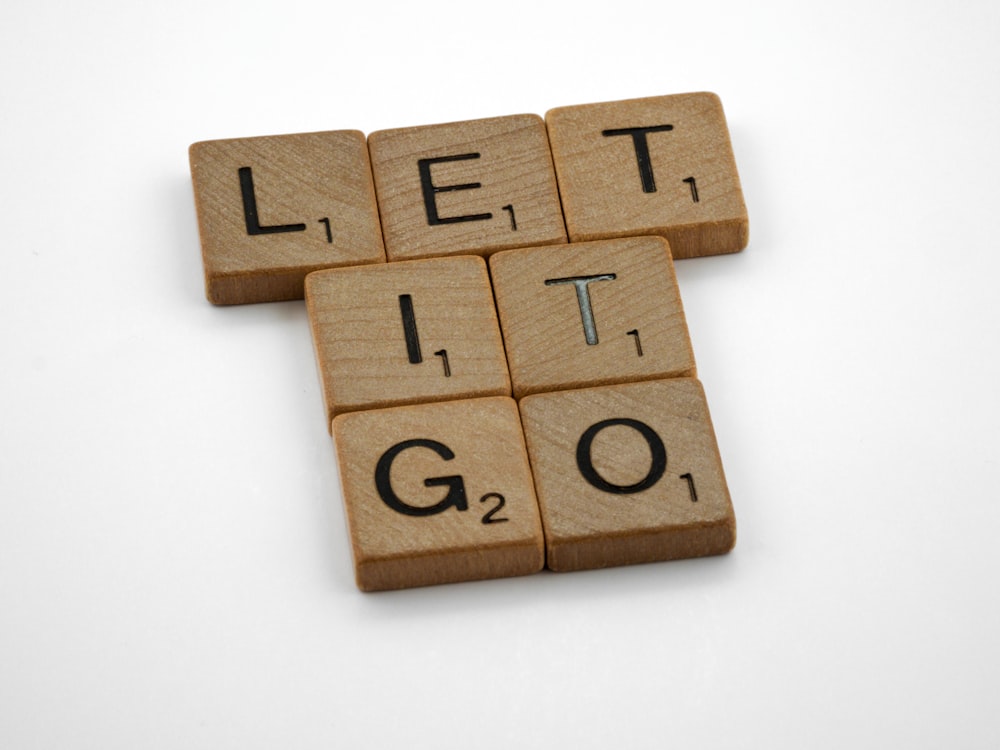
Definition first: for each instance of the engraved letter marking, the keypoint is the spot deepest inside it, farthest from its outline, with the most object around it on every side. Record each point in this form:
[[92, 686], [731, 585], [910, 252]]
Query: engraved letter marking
[[583, 298]]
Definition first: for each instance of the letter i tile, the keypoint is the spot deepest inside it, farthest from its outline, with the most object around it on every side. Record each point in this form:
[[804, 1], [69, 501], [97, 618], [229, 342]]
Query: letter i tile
[[661, 165], [273, 208], [627, 474], [405, 333], [438, 493], [471, 187]]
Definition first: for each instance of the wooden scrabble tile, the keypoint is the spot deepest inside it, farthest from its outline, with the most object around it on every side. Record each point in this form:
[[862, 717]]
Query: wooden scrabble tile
[[437, 493], [627, 474], [466, 188], [403, 333], [661, 165], [591, 313], [273, 208]]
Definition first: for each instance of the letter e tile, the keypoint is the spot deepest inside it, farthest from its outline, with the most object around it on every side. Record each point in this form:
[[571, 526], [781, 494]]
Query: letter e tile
[[627, 474], [438, 493], [469, 187]]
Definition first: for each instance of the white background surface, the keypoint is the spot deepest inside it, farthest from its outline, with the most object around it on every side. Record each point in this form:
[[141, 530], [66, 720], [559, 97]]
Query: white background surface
[[174, 568]]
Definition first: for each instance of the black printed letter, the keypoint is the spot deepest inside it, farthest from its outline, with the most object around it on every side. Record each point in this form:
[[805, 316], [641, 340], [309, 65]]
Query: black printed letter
[[641, 151], [430, 190], [585, 463], [250, 209], [455, 484]]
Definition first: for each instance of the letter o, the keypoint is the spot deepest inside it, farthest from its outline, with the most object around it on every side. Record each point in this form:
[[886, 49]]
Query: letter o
[[585, 463]]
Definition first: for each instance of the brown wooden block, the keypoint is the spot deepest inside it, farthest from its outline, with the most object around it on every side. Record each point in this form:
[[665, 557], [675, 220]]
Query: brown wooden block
[[627, 474], [437, 493], [403, 333], [591, 313], [661, 165], [466, 188], [273, 208]]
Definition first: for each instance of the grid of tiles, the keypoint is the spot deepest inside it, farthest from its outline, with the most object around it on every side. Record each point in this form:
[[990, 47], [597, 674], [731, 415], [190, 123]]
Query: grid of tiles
[[505, 364]]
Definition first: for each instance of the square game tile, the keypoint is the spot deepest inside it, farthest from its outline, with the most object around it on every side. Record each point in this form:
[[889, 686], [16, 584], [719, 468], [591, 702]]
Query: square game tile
[[273, 208], [591, 313], [469, 187], [661, 165], [627, 474], [403, 333], [438, 493]]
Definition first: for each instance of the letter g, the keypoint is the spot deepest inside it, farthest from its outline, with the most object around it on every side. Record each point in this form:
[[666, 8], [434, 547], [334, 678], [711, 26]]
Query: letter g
[[456, 487]]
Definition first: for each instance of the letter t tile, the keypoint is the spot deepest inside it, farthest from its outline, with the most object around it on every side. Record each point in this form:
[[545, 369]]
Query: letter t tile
[[591, 313], [661, 165]]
